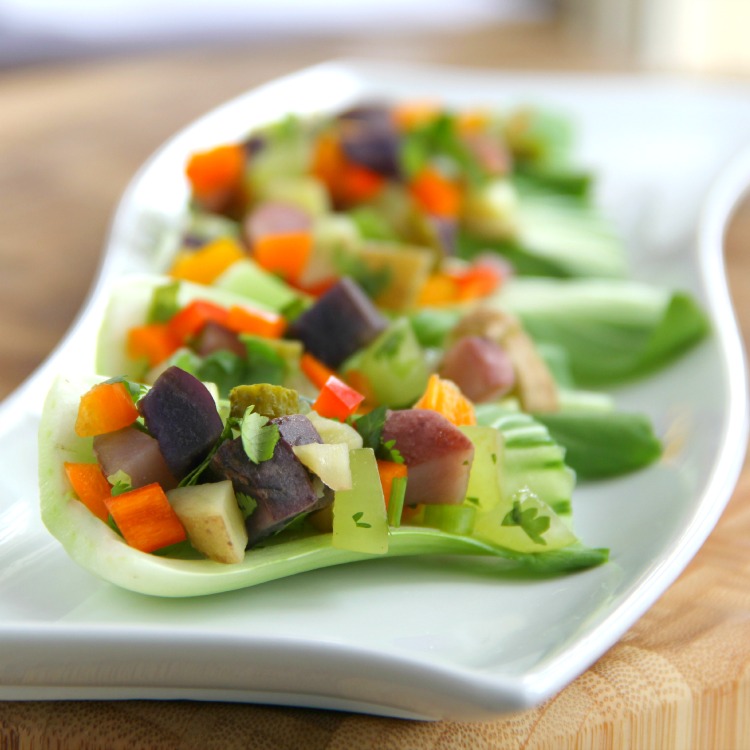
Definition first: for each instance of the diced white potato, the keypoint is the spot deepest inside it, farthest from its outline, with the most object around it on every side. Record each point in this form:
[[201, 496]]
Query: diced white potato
[[213, 520], [333, 431], [329, 461]]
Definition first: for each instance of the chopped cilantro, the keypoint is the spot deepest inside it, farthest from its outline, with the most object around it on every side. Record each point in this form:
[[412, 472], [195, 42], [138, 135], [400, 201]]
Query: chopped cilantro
[[372, 281], [528, 520], [259, 438], [247, 503], [194, 475], [360, 524], [121, 482]]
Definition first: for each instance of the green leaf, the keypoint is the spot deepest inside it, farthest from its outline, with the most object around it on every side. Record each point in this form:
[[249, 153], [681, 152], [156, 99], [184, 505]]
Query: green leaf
[[371, 281], [264, 364], [370, 427], [259, 437], [247, 503], [121, 482], [136, 390], [603, 444], [195, 474]]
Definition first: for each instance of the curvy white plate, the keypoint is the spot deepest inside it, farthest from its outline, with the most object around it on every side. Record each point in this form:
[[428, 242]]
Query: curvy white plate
[[423, 638]]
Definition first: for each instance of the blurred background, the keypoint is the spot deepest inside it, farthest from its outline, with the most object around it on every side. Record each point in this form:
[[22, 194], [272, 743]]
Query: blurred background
[[700, 35]]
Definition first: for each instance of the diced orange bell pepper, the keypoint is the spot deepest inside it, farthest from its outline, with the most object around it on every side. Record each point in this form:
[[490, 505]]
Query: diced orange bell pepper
[[105, 408], [153, 342], [337, 400], [205, 265], [284, 254], [269, 325], [146, 519], [445, 397], [477, 281], [91, 487], [410, 115], [189, 321], [435, 194], [438, 289], [216, 171]]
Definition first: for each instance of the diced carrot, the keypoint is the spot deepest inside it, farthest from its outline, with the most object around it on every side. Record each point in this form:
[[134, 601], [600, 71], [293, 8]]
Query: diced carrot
[[146, 519], [205, 265], [358, 184], [270, 325], [190, 320], [348, 183], [105, 408], [151, 341], [438, 289], [316, 372], [216, 171], [445, 397], [435, 194], [91, 487], [284, 254], [388, 471], [337, 400]]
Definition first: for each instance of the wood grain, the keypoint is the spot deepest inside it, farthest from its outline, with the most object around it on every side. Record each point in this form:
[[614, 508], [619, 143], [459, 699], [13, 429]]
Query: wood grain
[[70, 139]]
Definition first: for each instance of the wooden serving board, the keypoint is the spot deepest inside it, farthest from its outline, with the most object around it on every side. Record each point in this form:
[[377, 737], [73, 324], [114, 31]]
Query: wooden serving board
[[70, 139]]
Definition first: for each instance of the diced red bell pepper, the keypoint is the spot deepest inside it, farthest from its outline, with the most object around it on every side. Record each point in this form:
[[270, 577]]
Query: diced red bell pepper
[[337, 400]]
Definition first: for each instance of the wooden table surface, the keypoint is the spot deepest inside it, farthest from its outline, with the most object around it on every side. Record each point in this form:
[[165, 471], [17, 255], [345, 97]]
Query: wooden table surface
[[71, 136]]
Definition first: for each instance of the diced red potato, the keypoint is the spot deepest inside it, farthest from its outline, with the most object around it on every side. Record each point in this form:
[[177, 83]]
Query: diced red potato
[[215, 337], [275, 217], [481, 368], [489, 152], [135, 453], [535, 386], [437, 454]]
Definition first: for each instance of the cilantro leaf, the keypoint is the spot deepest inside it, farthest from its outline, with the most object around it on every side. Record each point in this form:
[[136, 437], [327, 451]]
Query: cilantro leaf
[[528, 520], [121, 482], [194, 475], [247, 503], [259, 438], [372, 281], [360, 524], [370, 427]]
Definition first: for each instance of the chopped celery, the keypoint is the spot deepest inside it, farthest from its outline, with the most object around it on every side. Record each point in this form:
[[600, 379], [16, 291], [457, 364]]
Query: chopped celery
[[453, 519], [247, 278], [360, 523], [394, 366], [396, 501]]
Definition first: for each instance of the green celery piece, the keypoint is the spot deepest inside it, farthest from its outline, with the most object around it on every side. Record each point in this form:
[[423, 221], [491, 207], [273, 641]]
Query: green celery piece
[[432, 325], [602, 444], [612, 330], [394, 365], [558, 179], [100, 550], [360, 523], [247, 278]]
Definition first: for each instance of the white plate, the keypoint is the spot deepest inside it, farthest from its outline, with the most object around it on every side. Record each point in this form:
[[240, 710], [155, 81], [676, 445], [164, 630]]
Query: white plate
[[417, 637]]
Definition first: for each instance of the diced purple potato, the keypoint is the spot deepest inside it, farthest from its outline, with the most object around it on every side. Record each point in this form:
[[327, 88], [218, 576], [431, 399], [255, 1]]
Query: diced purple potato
[[445, 230], [215, 337], [274, 217], [340, 323], [181, 414], [282, 486], [297, 429], [254, 145], [481, 368], [437, 454], [372, 112], [193, 241], [135, 453], [373, 143]]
